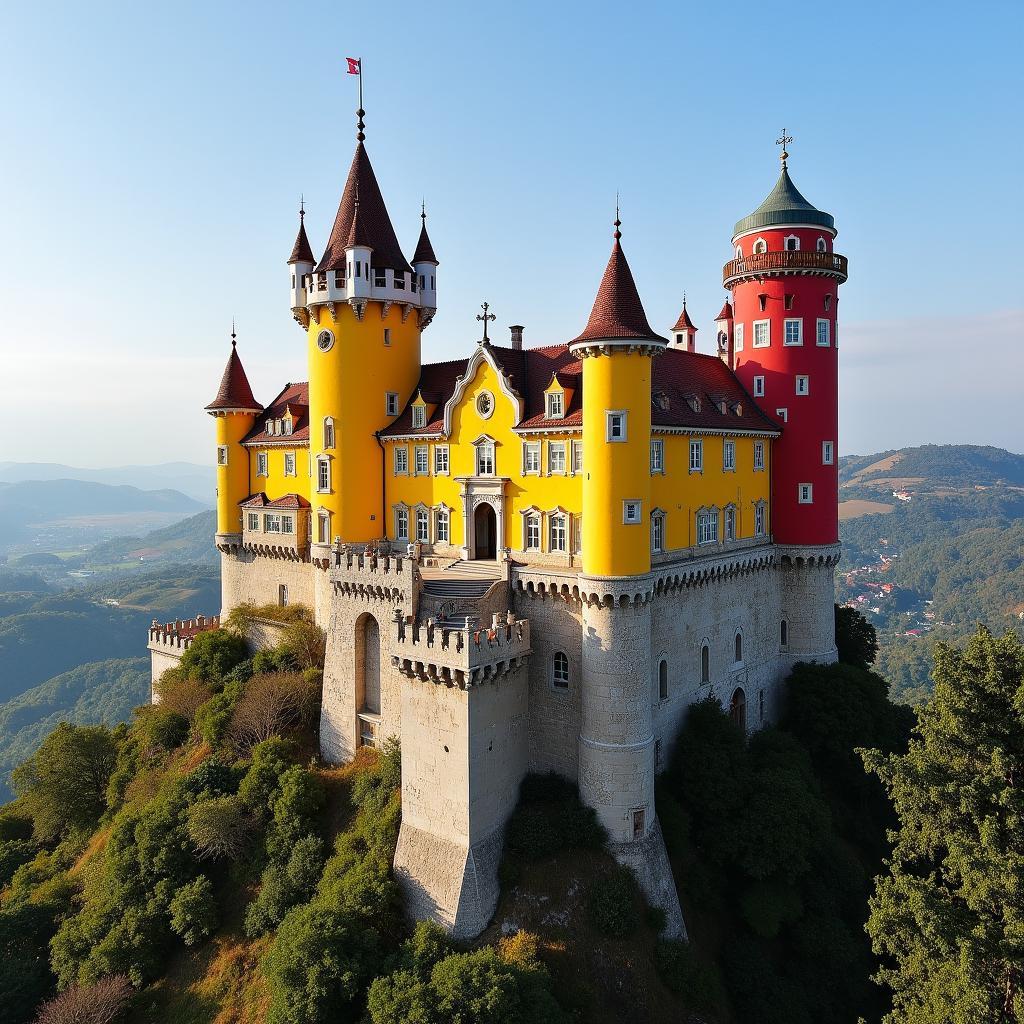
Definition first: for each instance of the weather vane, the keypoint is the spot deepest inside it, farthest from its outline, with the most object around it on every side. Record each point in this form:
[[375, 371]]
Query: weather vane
[[485, 316], [784, 140]]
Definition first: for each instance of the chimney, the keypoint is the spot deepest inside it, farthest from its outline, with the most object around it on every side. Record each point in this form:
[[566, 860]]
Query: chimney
[[517, 336]]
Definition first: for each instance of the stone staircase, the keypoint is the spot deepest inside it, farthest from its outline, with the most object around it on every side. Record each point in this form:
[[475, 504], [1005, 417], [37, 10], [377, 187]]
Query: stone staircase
[[458, 588]]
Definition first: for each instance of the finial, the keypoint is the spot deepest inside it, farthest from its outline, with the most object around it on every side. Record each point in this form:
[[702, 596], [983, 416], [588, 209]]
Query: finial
[[423, 210], [684, 300], [233, 335], [784, 140], [302, 206], [618, 223], [485, 316]]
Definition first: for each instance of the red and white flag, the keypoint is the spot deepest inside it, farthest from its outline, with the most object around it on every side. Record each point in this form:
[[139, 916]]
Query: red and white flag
[[353, 65]]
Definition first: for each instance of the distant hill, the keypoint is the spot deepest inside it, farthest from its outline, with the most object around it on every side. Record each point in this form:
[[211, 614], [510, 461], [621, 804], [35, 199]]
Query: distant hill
[[198, 482], [190, 540], [933, 467]]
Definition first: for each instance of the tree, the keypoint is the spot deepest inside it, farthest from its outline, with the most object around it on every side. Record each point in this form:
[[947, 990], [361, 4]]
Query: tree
[[219, 827], [193, 911], [64, 783], [212, 654], [270, 705], [102, 1003], [948, 917], [856, 639]]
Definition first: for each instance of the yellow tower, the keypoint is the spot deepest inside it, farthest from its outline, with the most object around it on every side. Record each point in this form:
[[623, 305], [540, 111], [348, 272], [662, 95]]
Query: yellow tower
[[616, 348], [363, 308], [235, 411]]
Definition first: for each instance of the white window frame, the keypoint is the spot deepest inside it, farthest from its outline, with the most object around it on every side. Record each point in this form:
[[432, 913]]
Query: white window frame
[[696, 456], [443, 525], [762, 334], [805, 494], [485, 454], [328, 431], [788, 322], [657, 531], [576, 542], [657, 455], [323, 475], [783, 414], [390, 403], [441, 460], [289, 425], [821, 245], [531, 458], [827, 324], [828, 453], [803, 384], [401, 460], [484, 405], [632, 512], [533, 532], [289, 464], [759, 385], [423, 526], [737, 338], [253, 522], [707, 526], [421, 460], [759, 519], [556, 458], [787, 240], [555, 405], [558, 533], [287, 524], [616, 421], [323, 526], [729, 523], [401, 517], [758, 456], [262, 464], [419, 416], [222, 455], [728, 456], [576, 466], [760, 246], [271, 522]]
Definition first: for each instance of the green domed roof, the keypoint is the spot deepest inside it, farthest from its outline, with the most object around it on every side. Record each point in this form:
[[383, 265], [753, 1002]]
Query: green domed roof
[[784, 205]]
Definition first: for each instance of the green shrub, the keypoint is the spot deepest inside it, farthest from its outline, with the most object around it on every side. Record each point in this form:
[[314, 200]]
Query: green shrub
[[766, 907], [193, 911], [284, 886], [213, 654], [274, 659], [698, 984], [306, 643], [159, 729], [219, 827], [212, 718], [211, 778], [612, 903], [270, 760]]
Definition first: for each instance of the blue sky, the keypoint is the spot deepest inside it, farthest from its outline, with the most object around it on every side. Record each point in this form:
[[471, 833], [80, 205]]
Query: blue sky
[[153, 158]]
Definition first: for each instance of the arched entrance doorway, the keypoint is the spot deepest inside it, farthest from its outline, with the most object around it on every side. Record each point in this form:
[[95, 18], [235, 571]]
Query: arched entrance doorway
[[368, 665], [485, 532], [738, 708]]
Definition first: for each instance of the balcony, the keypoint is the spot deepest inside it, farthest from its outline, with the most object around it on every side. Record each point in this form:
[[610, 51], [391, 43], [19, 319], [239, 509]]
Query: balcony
[[774, 264]]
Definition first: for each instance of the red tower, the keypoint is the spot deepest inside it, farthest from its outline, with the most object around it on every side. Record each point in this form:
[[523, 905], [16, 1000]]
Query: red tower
[[785, 281]]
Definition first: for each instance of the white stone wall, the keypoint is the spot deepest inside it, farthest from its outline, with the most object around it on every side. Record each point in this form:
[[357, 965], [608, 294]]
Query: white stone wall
[[160, 662], [247, 577]]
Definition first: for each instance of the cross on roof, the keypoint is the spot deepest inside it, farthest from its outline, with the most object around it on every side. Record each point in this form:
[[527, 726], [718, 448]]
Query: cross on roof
[[485, 316], [783, 141]]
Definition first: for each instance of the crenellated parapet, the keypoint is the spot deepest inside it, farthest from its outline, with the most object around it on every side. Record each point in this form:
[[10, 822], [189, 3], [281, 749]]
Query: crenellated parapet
[[177, 636], [460, 657], [810, 555], [371, 576]]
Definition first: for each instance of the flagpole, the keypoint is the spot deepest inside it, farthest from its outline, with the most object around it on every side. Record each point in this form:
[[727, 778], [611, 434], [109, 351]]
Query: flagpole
[[360, 83]]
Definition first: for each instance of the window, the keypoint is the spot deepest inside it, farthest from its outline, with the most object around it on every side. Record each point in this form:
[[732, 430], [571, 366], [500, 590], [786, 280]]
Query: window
[[485, 458], [254, 521], [803, 384], [421, 460], [288, 424], [805, 494], [792, 243], [789, 302], [422, 525], [707, 527], [577, 456], [391, 403], [287, 524], [657, 531], [387, 330], [822, 245], [485, 404], [762, 333], [577, 534], [793, 332], [419, 416], [762, 301], [632, 512], [560, 671], [663, 680], [739, 252], [783, 415], [658, 456], [728, 456], [557, 533], [444, 526], [531, 458], [828, 303], [323, 475], [759, 519], [730, 523], [738, 708], [289, 463], [556, 457], [680, 339], [323, 528], [738, 649], [402, 523], [532, 539], [269, 427], [440, 460], [401, 461], [271, 523], [696, 456], [705, 662], [759, 455], [222, 455], [784, 633], [615, 426], [759, 386], [738, 338], [828, 453], [760, 246], [823, 333], [261, 464], [282, 595], [556, 405], [328, 432]]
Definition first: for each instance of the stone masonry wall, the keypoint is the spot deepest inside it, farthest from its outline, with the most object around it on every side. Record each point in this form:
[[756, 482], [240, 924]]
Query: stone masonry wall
[[248, 577]]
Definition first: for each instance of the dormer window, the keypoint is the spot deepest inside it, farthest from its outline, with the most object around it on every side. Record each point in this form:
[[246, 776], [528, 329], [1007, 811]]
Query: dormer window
[[287, 422], [662, 401], [722, 406], [419, 416], [556, 405], [693, 401], [269, 428], [792, 243]]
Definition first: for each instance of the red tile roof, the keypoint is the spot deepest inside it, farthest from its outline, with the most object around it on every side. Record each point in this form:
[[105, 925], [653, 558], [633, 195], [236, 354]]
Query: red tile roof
[[294, 397], [424, 250], [302, 251], [726, 313], [684, 323], [260, 500], [374, 222], [618, 311], [234, 391]]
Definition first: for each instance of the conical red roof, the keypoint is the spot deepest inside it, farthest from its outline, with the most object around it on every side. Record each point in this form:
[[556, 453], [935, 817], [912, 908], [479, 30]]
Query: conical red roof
[[374, 225], [424, 250], [302, 251], [684, 323], [726, 313], [618, 311], [234, 391]]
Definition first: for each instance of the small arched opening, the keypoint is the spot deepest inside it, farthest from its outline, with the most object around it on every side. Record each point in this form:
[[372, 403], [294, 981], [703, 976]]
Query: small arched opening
[[738, 708], [368, 665], [663, 680]]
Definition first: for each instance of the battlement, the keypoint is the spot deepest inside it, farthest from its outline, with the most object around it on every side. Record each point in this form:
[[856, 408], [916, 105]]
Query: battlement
[[460, 657], [178, 635], [373, 576]]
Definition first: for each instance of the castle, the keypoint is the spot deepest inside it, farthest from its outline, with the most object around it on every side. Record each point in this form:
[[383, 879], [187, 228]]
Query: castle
[[535, 559]]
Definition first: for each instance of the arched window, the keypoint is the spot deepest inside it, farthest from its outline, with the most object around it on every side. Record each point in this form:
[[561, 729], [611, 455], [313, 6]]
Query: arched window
[[792, 243], [705, 663], [784, 636], [760, 246], [739, 252], [663, 680], [738, 648], [822, 245], [738, 708], [560, 671]]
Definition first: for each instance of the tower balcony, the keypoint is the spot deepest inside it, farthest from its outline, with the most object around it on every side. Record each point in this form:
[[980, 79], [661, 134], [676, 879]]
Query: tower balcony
[[323, 288], [778, 264]]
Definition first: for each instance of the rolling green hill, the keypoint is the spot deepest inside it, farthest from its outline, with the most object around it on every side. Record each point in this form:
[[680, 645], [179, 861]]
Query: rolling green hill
[[190, 540]]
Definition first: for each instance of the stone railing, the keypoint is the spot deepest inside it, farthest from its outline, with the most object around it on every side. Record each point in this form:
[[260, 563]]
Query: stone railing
[[373, 576], [178, 635], [460, 657]]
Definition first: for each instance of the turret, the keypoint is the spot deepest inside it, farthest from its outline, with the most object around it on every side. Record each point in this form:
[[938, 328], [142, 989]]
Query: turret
[[300, 265], [424, 265], [235, 411], [724, 339], [683, 334], [358, 252], [784, 280]]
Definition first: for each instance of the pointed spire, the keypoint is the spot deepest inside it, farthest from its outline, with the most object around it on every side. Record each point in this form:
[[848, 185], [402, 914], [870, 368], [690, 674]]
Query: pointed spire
[[375, 227], [726, 313], [234, 393], [302, 251], [684, 323], [618, 311], [424, 250]]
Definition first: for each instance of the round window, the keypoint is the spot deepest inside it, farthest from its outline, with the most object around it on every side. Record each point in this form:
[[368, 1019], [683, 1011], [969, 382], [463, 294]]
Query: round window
[[324, 340], [485, 404]]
